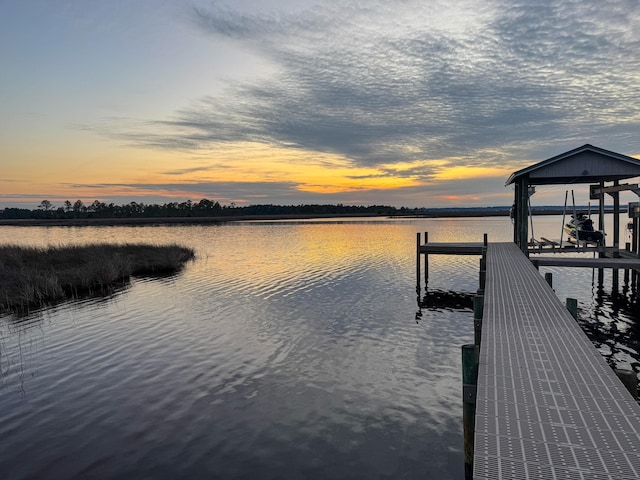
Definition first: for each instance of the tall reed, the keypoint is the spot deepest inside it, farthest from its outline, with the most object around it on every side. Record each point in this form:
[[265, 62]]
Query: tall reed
[[34, 277]]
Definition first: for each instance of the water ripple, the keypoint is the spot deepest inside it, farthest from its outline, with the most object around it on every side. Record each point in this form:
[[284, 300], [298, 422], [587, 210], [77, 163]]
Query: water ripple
[[284, 351]]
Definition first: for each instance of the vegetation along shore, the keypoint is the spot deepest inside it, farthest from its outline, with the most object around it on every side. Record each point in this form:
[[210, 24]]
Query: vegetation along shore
[[33, 277], [209, 211]]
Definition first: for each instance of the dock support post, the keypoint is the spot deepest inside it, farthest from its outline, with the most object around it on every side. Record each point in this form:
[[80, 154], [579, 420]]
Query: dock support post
[[478, 307], [572, 306], [418, 263], [601, 213], [470, 361], [633, 247], [634, 235], [630, 380], [426, 262], [483, 263], [548, 276], [616, 219]]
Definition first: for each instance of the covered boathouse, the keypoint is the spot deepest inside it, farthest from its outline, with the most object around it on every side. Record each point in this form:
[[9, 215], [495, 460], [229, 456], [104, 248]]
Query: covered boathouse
[[600, 168]]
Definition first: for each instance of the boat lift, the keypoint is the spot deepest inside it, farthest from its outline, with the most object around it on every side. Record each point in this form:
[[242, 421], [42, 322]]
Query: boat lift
[[601, 169]]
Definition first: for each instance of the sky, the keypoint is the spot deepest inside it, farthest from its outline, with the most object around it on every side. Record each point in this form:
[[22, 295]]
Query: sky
[[397, 102]]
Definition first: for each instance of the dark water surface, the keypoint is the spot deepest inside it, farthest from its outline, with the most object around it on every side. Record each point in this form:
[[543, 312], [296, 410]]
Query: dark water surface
[[285, 350]]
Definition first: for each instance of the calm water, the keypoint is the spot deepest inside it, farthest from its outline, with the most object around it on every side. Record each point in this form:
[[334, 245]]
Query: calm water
[[285, 350]]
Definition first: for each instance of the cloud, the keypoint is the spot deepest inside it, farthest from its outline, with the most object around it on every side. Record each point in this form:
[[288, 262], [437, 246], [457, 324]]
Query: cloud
[[184, 171], [488, 82], [222, 191]]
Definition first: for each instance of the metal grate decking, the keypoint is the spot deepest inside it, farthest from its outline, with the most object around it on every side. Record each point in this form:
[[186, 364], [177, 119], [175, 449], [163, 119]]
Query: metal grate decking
[[548, 405]]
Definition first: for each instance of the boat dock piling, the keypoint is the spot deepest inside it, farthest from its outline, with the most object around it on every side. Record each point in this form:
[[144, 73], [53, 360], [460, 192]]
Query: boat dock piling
[[470, 363]]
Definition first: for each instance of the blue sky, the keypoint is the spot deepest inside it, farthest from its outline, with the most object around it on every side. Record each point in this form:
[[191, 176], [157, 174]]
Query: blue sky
[[359, 102]]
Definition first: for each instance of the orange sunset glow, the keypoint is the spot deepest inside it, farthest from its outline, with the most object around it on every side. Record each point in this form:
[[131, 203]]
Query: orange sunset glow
[[197, 100]]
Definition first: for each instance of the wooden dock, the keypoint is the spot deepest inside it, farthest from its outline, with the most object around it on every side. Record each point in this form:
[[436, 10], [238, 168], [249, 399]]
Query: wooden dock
[[439, 248], [548, 406], [585, 262]]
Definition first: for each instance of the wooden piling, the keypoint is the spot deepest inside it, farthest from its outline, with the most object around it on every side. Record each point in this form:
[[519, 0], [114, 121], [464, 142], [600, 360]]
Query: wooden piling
[[426, 261], [601, 216], [572, 306], [630, 380], [548, 276], [470, 361], [478, 307], [418, 261], [483, 272], [633, 245]]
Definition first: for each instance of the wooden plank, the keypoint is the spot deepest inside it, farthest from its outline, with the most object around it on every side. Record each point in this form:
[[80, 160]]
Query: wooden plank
[[597, 190], [435, 248], [548, 405], [550, 242], [615, 263]]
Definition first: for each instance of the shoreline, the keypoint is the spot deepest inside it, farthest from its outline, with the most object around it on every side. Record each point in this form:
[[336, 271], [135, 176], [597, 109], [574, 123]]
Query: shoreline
[[150, 221], [81, 222]]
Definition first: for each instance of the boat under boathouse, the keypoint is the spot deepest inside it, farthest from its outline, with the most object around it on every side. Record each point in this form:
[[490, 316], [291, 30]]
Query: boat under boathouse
[[602, 169]]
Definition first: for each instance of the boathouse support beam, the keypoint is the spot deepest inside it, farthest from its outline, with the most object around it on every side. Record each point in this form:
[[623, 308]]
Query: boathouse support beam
[[595, 190], [514, 212], [616, 219], [522, 214], [601, 214], [599, 196]]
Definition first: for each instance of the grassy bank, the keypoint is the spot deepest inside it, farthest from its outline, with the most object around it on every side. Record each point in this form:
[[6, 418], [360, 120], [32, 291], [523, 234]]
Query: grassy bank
[[34, 277]]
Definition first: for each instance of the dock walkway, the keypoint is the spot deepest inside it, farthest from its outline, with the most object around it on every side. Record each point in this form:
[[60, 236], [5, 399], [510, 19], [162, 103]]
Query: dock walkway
[[548, 405], [561, 261]]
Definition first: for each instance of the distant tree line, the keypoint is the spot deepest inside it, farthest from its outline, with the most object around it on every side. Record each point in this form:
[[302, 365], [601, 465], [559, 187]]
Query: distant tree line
[[203, 208]]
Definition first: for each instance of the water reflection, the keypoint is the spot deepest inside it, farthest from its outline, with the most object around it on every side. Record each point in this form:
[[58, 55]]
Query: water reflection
[[612, 319], [608, 310], [438, 300], [286, 350], [447, 300], [283, 351]]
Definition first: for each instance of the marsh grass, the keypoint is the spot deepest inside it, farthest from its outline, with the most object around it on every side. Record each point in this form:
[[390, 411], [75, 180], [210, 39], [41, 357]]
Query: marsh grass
[[35, 277]]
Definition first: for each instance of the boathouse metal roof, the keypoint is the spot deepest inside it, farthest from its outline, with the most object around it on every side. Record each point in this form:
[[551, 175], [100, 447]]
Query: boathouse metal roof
[[585, 164]]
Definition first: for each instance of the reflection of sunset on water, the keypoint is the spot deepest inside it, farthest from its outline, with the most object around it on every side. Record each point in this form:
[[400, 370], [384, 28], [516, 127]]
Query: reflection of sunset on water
[[280, 338]]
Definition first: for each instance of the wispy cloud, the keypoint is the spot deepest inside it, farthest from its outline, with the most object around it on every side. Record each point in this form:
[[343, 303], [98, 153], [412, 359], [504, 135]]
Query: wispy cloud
[[488, 82], [184, 171], [221, 191]]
